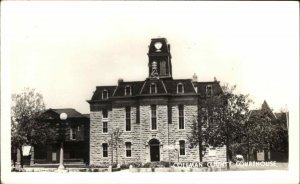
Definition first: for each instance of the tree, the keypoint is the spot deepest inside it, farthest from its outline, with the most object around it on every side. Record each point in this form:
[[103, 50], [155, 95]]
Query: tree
[[221, 119], [115, 140], [26, 128], [266, 132], [281, 138]]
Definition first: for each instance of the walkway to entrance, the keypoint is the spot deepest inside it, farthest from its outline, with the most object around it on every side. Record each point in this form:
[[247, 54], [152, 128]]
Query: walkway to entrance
[[154, 150]]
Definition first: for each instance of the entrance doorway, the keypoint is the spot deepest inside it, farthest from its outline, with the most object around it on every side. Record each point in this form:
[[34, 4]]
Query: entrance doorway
[[154, 150]]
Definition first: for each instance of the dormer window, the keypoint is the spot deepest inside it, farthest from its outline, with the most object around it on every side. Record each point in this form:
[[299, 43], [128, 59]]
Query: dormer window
[[127, 90], [153, 88], [104, 94], [209, 91], [180, 88]]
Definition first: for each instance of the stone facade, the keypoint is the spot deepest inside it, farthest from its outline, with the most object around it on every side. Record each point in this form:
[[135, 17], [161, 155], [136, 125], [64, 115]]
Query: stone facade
[[159, 94], [141, 133]]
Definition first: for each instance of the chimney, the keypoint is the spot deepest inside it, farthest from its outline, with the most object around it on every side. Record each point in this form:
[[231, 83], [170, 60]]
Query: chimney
[[195, 78], [120, 80]]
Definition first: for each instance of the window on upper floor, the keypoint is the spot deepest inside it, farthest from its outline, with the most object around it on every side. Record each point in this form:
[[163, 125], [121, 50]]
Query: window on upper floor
[[128, 149], [181, 116], [180, 88], [104, 113], [153, 118], [104, 127], [104, 94], [209, 91], [72, 133], [182, 147], [127, 90], [153, 88], [127, 119], [163, 68], [104, 150]]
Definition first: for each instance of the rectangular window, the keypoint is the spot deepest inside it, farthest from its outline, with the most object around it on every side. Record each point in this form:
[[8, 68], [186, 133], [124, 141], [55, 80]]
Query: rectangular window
[[153, 117], [104, 113], [181, 116], [153, 88], [182, 147], [180, 88], [128, 120], [127, 90], [104, 94], [104, 147], [104, 127], [72, 133], [208, 90], [163, 68], [128, 149]]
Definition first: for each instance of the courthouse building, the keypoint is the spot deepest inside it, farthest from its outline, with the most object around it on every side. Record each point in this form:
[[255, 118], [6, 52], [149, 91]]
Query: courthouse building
[[154, 115]]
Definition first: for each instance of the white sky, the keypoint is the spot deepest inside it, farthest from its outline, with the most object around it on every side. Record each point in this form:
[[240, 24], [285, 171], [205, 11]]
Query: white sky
[[65, 49]]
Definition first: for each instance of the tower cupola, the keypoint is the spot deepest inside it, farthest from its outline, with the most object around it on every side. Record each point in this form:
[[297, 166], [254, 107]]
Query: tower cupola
[[159, 54]]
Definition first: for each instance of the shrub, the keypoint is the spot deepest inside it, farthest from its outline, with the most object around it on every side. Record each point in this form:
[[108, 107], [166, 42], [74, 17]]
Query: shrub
[[204, 164], [98, 166], [157, 164], [134, 164]]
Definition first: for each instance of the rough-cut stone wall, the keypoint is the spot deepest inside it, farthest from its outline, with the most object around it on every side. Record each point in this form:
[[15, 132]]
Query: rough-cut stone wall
[[176, 134], [132, 136], [141, 134], [217, 154], [95, 135], [161, 134]]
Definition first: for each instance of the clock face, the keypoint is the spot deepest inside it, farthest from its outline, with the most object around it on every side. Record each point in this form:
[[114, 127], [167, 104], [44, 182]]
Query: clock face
[[158, 46]]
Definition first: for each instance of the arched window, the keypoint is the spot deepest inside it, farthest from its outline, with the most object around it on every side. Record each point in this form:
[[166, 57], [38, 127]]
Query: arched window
[[163, 68], [153, 117], [104, 150], [180, 88], [128, 119], [127, 90], [153, 88], [181, 116], [209, 91], [182, 147], [128, 149], [104, 94]]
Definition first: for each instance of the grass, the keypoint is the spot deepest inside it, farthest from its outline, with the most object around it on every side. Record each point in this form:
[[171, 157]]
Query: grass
[[277, 166]]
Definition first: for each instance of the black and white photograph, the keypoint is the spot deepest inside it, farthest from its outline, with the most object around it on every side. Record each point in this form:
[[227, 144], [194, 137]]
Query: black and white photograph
[[149, 92]]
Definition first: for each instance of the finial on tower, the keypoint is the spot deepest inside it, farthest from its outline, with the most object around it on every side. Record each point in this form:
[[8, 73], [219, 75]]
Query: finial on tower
[[154, 73]]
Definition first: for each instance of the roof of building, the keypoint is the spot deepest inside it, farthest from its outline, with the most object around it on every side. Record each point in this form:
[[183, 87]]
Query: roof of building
[[71, 113], [264, 111], [167, 86]]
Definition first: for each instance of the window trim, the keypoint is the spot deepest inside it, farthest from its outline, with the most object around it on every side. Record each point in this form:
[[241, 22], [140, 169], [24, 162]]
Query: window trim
[[155, 88], [180, 83], [155, 118], [103, 94], [183, 147], [106, 145], [104, 118], [127, 118], [160, 68], [211, 90], [128, 150], [106, 127], [183, 116], [72, 131], [127, 86]]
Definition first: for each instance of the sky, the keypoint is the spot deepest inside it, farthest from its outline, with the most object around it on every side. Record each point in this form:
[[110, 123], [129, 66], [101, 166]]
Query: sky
[[65, 49]]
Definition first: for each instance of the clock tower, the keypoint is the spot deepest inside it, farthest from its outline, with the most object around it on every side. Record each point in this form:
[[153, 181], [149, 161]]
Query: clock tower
[[160, 65]]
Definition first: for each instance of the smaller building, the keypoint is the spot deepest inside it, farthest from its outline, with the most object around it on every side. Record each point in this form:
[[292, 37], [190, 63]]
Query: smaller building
[[76, 138], [281, 151]]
